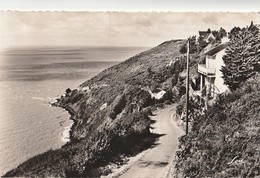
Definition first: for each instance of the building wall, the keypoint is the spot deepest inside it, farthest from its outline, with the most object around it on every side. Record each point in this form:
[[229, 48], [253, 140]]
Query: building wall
[[210, 61], [219, 82]]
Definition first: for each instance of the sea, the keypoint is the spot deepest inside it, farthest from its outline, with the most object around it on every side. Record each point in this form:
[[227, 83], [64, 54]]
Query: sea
[[31, 78]]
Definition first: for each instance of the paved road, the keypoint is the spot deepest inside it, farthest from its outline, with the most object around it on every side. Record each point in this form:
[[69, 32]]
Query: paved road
[[156, 162]]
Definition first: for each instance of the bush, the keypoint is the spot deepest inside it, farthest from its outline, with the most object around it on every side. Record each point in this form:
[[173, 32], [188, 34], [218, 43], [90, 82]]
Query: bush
[[222, 141], [68, 90]]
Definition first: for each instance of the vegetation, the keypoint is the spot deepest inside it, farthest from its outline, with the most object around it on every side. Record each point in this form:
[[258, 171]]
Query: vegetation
[[242, 59], [202, 43], [192, 45], [197, 45], [111, 114], [224, 142], [220, 34]]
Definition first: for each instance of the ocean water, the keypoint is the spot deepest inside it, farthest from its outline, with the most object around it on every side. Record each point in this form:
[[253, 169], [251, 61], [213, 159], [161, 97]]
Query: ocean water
[[30, 78]]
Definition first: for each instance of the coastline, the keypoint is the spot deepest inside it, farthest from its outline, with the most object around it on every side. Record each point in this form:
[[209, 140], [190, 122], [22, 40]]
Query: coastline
[[66, 132], [98, 136], [60, 135]]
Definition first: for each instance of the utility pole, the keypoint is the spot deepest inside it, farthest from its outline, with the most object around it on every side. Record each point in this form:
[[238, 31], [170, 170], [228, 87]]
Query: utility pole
[[187, 88]]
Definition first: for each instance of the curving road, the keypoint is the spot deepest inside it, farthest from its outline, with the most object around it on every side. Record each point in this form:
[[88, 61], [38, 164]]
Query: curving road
[[157, 161]]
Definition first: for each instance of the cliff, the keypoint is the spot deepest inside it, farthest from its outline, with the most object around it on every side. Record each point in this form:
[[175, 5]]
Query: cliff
[[111, 113]]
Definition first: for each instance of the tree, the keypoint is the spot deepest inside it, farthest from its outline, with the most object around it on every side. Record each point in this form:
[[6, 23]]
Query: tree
[[215, 33], [68, 90], [242, 58], [233, 32], [201, 43], [193, 46], [222, 32], [183, 49]]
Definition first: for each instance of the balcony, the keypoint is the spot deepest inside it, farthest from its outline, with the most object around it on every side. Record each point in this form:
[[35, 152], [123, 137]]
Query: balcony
[[206, 71]]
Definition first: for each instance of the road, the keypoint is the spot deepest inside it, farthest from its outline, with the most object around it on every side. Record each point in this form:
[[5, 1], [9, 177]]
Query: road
[[156, 161]]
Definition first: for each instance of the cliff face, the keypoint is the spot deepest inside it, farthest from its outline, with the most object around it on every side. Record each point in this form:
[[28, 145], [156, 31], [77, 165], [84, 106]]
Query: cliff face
[[114, 97], [111, 112]]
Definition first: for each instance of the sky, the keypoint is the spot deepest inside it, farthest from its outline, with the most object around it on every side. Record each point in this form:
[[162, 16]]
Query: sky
[[116, 22], [133, 5]]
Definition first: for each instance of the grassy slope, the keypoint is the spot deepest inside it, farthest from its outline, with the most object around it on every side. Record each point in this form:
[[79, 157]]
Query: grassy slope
[[225, 141], [112, 115]]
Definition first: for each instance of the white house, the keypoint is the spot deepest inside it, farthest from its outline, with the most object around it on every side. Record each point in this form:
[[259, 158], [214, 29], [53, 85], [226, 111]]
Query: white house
[[207, 36], [210, 74]]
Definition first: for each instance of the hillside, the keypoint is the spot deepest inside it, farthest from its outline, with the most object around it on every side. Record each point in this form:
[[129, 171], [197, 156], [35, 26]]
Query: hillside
[[111, 113], [225, 141]]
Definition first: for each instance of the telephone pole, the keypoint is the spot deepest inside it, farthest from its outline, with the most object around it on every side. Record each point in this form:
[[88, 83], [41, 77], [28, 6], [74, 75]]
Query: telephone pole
[[187, 88]]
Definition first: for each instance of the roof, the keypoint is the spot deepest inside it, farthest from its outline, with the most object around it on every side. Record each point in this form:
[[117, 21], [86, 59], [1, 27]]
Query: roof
[[211, 35], [203, 33], [206, 35], [216, 49]]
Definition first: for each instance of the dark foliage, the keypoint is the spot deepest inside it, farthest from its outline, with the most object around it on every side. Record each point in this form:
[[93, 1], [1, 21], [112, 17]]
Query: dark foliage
[[192, 45], [202, 43], [68, 90], [223, 142], [242, 59]]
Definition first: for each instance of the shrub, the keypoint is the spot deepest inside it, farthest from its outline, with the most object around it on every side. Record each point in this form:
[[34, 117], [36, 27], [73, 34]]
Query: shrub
[[242, 59], [68, 90], [222, 141]]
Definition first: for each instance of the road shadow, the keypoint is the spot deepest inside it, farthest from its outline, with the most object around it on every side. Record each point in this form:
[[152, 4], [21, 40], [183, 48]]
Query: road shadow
[[153, 164], [121, 153]]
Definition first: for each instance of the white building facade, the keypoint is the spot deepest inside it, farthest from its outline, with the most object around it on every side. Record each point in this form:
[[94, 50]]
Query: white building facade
[[210, 75]]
